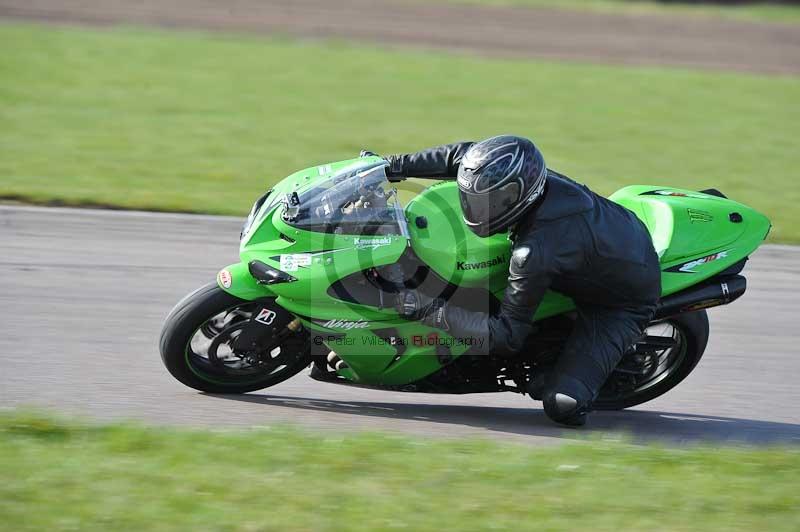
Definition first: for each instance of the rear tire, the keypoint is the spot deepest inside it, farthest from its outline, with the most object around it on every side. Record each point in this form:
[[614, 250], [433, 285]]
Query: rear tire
[[194, 316], [693, 331]]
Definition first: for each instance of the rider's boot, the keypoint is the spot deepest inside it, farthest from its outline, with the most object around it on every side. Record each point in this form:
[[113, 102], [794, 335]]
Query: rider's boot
[[538, 386]]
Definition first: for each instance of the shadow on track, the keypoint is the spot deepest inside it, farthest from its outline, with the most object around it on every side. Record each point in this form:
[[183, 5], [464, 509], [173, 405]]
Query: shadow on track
[[642, 425]]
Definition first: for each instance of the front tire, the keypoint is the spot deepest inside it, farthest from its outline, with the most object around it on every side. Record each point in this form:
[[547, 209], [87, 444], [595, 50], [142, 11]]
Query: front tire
[[198, 346]]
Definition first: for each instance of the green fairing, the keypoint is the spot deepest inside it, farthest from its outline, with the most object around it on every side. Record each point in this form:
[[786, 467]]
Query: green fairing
[[685, 225]]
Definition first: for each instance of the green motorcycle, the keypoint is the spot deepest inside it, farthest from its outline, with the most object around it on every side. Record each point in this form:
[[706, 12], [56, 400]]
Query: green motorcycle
[[325, 251]]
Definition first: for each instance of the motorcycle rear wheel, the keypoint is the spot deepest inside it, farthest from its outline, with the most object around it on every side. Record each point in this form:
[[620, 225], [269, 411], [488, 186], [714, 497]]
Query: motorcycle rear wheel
[[197, 345], [667, 355]]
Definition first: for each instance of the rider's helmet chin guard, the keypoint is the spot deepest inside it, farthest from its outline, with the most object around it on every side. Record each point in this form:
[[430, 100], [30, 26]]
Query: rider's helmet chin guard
[[499, 179]]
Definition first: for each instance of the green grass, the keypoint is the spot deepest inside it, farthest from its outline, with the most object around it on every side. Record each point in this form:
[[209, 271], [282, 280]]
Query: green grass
[[756, 11], [191, 121], [56, 475]]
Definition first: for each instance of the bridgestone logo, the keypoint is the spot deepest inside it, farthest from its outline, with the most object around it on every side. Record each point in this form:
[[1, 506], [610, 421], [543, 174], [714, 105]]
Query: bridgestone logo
[[497, 261]]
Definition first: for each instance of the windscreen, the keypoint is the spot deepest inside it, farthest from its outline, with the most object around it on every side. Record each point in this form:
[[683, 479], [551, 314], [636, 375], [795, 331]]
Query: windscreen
[[358, 201]]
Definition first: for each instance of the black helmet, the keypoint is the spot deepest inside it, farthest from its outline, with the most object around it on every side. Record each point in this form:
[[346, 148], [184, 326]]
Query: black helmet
[[499, 179]]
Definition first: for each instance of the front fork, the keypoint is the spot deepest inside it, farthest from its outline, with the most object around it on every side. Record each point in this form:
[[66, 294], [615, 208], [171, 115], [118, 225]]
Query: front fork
[[269, 326]]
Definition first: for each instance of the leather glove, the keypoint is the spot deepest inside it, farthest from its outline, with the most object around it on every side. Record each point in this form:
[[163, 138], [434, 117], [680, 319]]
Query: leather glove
[[391, 174], [413, 305]]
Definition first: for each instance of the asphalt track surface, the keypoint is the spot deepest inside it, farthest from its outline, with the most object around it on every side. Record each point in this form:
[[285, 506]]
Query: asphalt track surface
[[84, 293], [687, 41]]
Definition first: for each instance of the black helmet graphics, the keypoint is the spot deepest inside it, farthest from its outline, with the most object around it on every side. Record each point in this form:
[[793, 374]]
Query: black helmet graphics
[[499, 179]]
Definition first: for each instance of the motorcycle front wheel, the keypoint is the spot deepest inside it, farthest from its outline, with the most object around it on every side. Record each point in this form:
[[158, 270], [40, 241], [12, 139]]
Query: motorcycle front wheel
[[198, 344]]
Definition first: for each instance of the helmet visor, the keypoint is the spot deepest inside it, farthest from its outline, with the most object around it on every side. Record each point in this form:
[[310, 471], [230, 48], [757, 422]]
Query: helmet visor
[[489, 206]]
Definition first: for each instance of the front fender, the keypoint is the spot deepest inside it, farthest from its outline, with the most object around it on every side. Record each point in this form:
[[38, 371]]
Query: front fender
[[237, 281]]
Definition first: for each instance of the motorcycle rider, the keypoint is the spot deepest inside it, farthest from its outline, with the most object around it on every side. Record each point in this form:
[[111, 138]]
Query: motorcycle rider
[[566, 238]]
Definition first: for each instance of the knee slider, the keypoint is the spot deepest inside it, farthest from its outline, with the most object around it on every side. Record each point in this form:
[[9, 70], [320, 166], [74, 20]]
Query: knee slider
[[568, 401]]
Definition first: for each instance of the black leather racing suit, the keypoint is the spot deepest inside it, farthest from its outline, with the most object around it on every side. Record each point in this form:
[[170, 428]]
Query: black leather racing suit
[[574, 242]]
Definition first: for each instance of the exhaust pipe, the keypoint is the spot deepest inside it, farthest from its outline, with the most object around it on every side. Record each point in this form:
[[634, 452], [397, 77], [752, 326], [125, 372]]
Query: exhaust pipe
[[712, 293]]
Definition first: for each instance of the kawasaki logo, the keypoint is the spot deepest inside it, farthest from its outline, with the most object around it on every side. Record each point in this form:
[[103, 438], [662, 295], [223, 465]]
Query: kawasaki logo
[[343, 324], [498, 260], [374, 243]]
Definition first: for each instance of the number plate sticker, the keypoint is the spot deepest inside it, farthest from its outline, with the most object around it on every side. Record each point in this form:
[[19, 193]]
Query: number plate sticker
[[290, 263]]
